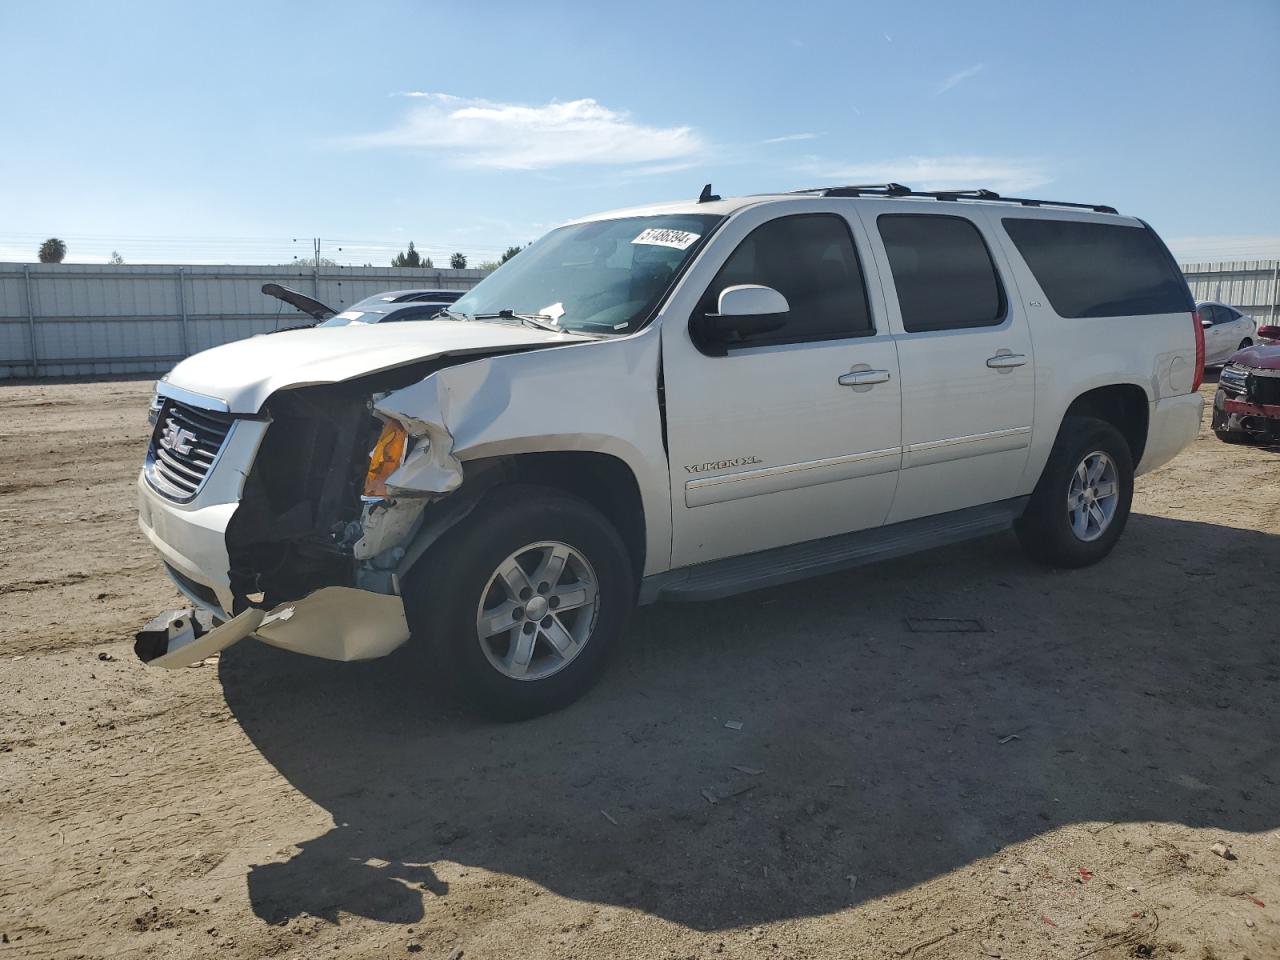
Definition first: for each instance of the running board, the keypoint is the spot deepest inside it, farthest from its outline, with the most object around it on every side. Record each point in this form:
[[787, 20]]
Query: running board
[[798, 561]]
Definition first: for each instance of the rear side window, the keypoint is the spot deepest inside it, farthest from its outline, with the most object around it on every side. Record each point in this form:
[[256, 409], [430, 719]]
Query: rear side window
[[942, 271], [810, 259], [1100, 269]]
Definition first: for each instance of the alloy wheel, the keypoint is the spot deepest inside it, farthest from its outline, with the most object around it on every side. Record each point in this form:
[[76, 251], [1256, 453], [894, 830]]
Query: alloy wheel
[[537, 611], [1093, 496]]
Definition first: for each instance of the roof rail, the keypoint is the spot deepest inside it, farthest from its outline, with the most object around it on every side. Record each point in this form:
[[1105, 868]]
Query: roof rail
[[898, 190], [857, 190]]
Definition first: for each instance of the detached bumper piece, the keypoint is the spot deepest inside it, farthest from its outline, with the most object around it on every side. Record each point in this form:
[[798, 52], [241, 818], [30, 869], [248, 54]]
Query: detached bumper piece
[[179, 638]]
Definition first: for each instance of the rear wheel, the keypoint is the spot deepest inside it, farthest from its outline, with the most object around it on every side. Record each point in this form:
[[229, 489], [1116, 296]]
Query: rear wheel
[[1081, 504], [517, 609], [1246, 342]]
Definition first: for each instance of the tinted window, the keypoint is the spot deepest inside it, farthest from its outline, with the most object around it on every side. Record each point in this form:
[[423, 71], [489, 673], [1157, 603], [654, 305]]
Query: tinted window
[[1100, 269], [810, 260], [942, 271]]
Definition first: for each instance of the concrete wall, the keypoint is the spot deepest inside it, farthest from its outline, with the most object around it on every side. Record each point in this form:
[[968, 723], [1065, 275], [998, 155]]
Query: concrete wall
[[93, 320]]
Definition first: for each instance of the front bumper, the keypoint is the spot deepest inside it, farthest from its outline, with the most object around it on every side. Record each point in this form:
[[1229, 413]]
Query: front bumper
[[1234, 415], [335, 622]]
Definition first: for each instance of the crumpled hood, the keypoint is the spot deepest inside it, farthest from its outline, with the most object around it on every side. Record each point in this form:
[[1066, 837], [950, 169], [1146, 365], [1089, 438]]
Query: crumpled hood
[[1260, 356], [244, 373]]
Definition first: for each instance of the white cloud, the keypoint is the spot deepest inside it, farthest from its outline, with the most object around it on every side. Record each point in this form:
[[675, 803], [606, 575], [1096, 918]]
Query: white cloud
[[509, 136], [1225, 247], [959, 77], [940, 173], [790, 137]]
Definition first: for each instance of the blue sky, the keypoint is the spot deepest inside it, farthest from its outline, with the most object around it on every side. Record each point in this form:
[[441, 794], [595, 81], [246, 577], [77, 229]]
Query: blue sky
[[219, 132]]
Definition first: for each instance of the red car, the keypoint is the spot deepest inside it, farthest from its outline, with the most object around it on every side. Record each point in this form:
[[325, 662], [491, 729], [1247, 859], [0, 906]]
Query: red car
[[1247, 404]]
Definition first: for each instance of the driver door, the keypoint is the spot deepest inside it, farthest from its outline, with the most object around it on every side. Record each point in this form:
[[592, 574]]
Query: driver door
[[792, 434]]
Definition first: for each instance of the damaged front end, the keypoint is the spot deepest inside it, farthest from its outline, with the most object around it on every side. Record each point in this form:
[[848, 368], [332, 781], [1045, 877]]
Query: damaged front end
[[321, 527], [323, 520]]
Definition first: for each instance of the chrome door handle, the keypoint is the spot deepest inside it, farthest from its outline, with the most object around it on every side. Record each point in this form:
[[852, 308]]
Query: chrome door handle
[[1006, 361], [863, 378]]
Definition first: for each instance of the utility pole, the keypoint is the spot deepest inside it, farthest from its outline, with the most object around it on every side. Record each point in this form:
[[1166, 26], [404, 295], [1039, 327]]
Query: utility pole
[[315, 264], [315, 250]]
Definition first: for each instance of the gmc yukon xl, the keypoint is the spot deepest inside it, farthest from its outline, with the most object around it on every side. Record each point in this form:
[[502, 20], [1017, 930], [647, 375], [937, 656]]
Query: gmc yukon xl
[[677, 402]]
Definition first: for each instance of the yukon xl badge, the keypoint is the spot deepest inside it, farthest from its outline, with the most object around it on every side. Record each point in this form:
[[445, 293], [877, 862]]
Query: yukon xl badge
[[178, 439], [722, 464]]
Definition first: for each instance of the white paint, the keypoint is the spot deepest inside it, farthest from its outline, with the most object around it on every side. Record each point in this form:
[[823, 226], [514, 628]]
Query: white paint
[[768, 446]]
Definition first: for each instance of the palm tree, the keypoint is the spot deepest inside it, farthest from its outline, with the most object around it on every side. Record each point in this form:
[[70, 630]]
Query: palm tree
[[52, 250], [458, 261]]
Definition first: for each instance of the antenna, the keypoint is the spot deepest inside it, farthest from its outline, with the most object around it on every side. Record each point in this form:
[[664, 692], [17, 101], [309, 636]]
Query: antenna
[[706, 196]]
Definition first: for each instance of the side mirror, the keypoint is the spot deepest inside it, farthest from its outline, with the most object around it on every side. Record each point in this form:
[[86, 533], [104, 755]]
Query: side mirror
[[1206, 323], [743, 310], [1269, 332]]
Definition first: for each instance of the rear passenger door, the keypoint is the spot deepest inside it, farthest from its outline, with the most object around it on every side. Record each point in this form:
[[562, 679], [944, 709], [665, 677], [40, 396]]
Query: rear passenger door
[[964, 350]]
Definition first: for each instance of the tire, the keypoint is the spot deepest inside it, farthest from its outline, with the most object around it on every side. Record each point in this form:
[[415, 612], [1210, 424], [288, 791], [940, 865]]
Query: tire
[[1245, 344], [1046, 529], [1232, 436], [505, 675]]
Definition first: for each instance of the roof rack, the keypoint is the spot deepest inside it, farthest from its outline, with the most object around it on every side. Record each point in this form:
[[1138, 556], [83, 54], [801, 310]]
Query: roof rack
[[898, 190]]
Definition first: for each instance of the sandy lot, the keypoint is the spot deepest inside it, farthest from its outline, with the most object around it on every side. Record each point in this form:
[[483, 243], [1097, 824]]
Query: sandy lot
[[1050, 787]]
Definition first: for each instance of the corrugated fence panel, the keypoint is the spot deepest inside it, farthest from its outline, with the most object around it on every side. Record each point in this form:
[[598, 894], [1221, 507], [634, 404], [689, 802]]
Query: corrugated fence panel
[[96, 319], [93, 320], [1253, 286]]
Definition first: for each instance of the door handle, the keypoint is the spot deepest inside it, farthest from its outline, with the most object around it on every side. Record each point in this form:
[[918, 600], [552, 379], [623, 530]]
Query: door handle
[[863, 378], [1006, 361]]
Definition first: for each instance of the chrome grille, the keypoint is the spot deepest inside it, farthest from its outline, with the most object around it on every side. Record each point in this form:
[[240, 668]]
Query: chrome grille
[[1232, 380], [185, 445]]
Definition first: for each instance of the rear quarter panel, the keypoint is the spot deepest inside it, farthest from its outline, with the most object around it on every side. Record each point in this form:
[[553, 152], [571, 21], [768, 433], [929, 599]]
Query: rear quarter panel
[[1073, 355]]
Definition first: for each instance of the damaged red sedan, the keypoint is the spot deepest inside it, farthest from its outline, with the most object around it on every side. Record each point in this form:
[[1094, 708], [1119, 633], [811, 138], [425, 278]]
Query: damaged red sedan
[[1247, 404]]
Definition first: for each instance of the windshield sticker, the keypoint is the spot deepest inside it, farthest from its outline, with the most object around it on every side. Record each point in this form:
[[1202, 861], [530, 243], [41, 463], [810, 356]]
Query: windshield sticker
[[663, 237], [352, 315], [553, 311]]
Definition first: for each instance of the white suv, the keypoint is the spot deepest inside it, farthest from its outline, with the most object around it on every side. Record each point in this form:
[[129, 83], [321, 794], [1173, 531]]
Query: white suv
[[679, 402]]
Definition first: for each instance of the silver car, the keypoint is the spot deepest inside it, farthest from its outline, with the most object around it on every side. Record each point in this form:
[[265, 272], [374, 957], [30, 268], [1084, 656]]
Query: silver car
[[1226, 330]]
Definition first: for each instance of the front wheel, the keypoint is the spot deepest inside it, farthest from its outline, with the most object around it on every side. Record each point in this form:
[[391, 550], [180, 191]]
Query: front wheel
[[1245, 344], [1079, 508], [518, 607], [1232, 436]]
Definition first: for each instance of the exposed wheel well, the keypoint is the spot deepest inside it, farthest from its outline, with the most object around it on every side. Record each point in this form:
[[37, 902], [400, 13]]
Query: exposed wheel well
[[604, 481], [1124, 406]]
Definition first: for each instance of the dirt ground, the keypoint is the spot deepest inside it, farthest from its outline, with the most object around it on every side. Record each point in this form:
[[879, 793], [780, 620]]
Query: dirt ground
[[1049, 787]]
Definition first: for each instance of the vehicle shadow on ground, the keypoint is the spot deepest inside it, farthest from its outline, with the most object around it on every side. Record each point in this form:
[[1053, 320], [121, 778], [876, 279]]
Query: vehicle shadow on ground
[[1137, 690]]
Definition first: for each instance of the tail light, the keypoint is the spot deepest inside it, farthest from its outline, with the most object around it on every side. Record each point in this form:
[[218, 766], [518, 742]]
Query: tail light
[[1198, 377]]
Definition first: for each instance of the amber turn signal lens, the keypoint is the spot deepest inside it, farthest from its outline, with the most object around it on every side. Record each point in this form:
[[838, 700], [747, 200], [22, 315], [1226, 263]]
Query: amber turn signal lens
[[387, 456]]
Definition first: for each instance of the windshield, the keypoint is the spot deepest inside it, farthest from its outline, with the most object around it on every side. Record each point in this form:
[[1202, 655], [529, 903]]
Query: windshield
[[605, 276]]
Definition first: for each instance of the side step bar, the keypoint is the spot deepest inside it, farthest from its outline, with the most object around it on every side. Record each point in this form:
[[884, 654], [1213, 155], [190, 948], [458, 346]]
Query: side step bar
[[768, 568]]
